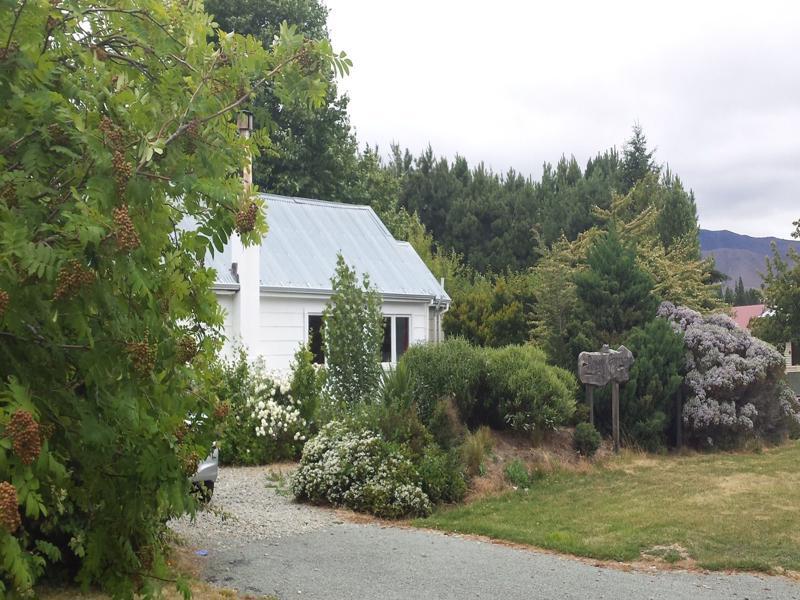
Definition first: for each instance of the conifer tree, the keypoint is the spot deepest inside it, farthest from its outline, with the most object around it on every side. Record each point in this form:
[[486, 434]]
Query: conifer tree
[[637, 160], [614, 293]]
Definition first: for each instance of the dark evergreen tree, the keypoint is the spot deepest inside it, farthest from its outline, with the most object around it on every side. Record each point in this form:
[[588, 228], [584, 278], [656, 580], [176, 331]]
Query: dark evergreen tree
[[678, 211], [614, 294], [647, 400], [313, 153], [637, 159]]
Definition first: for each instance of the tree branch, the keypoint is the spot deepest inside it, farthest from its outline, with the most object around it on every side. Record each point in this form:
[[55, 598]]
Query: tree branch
[[14, 24]]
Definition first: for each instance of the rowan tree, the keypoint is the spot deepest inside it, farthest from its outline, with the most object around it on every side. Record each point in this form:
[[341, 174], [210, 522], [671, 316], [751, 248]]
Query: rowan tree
[[117, 121]]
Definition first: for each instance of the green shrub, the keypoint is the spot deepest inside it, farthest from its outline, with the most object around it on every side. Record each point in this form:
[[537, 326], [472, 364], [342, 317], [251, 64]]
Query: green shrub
[[396, 424], [517, 474], [359, 470], [526, 392], [308, 381], [352, 336], [476, 446], [445, 424], [442, 475], [396, 386], [453, 368], [586, 439], [266, 422]]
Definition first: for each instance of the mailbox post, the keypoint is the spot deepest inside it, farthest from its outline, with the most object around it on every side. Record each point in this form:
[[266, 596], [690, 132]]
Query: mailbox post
[[597, 369]]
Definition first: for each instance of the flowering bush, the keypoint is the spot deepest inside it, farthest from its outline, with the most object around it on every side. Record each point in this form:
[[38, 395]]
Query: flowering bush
[[359, 470], [735, 381], [267, 421]]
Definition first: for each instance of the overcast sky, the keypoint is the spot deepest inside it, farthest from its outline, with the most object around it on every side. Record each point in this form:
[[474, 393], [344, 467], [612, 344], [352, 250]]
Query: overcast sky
[[715, 85]]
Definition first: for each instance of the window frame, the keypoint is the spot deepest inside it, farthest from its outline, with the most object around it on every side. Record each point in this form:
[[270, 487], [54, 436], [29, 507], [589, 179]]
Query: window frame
[[393, 336], [307, 336]]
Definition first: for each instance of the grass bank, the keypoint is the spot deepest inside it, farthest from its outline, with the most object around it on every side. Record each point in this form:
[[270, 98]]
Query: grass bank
[[721, 511]]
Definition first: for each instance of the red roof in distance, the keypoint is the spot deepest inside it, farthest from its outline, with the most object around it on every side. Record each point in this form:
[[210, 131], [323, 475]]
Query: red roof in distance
[[744, 314]]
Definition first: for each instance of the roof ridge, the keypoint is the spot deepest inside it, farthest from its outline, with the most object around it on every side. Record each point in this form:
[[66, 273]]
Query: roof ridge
[[302, 200]]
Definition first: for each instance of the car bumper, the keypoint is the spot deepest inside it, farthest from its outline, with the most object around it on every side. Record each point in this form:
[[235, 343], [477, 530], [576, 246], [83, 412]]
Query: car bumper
[[208, 469]]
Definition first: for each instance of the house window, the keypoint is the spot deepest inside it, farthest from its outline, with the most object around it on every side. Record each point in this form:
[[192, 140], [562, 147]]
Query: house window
[[396, 338], [386, 347], [795, 350], [401, 337], [315, 338]]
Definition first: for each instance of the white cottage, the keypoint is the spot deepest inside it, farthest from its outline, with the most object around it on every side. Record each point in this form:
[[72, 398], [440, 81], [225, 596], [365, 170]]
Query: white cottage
[[274, 294]]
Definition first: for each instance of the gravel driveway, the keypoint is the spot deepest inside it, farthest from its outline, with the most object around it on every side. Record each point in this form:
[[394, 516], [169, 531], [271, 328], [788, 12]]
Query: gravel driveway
[[269, 545]]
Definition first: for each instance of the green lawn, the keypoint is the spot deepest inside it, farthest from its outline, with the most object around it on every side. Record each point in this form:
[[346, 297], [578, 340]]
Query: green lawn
[[737, 511]]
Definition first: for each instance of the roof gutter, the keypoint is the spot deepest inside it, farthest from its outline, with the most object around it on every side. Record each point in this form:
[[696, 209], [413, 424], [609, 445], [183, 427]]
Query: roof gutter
[[326, 293]]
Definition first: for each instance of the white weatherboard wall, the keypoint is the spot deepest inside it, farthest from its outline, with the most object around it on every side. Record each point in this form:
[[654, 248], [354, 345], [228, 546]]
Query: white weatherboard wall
[[228, 303], [284, 321]]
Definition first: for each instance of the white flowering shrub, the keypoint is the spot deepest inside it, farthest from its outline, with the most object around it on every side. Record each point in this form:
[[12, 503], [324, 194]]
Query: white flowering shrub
[[361, 471], [267, 420], [735, 381]]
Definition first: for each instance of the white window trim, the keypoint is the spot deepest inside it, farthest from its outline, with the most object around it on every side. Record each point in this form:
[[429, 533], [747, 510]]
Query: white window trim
[[393, 320]]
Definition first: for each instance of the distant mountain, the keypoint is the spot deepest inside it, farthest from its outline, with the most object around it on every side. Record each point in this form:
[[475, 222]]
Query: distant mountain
[[741, 255]]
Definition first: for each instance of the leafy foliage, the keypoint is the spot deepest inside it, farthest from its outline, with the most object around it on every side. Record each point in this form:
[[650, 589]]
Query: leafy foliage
[[782, 296], [361, 471], [442, 475], [453, 368], [517, 474], [614, 294], [735, 381], [117, 121], [647, 399], [525, 392], [267, 417], [352, 334]]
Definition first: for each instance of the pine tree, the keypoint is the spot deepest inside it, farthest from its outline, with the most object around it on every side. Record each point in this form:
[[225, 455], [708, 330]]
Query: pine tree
[[614, 293], [637, 161]]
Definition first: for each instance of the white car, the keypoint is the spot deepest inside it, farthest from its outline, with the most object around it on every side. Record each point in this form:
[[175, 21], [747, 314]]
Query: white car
[[206, 475]]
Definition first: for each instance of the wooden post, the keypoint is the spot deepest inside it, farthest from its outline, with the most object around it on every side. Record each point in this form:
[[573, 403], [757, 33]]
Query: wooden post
[[615, 414], [590, 401], [679, 418]]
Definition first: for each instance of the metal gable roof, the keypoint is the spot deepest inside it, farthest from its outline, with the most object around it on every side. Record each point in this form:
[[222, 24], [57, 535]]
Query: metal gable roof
[[299, 251]]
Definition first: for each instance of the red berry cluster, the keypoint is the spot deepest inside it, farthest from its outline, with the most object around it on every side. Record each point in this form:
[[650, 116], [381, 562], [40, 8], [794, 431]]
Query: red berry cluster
[[221, 410], [46, 430], [115, 140], [57, 134], [71, 278], [189, 462], [143, 356], [246, 218], [122, 170], [9, 507], [13, 48], [126, 235], [113, 135], [23, 430], [308, 60], [181, 432], [192, 135], [8, 193], [3, 302], [187, 349]]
